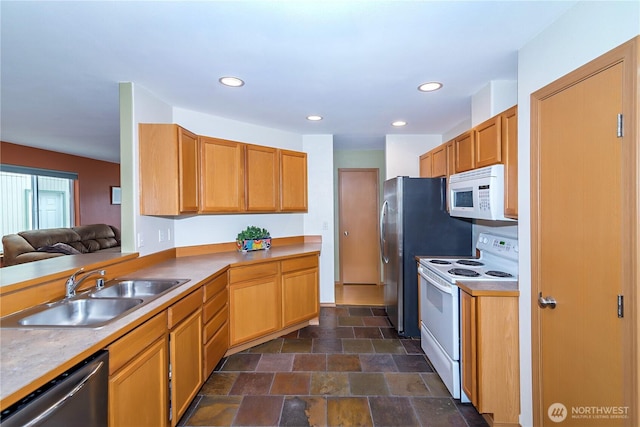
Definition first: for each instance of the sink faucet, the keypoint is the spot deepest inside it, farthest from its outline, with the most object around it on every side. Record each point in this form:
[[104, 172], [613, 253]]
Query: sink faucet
[[72, 284]]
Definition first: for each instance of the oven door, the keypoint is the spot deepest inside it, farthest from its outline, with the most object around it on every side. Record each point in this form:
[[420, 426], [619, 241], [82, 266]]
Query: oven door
[[439, 312]]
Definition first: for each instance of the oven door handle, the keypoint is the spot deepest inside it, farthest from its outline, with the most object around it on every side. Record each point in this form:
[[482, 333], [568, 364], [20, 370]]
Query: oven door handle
[[446, 290]]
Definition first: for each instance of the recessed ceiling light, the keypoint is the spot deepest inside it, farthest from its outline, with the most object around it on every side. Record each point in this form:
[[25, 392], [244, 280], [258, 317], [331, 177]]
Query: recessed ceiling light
[[429, 87], [399, 123], [314, 118], [231, 81]]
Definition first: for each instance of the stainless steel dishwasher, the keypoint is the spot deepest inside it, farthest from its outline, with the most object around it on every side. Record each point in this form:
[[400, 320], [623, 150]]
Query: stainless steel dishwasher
[[78, 397]]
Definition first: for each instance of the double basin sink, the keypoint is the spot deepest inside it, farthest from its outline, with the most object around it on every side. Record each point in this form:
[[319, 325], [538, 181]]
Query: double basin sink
[[94, 308]]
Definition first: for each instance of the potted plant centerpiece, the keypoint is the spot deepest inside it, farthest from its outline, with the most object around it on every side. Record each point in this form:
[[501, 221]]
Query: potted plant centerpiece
[[253, 239]]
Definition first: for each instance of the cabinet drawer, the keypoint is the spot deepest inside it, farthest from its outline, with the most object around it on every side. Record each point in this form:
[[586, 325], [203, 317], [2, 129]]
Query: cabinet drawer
[[299, 263], [215, 286], [127, 347], [214, 305], [255, 271], [214, 324], [184, 307], [215, 348]]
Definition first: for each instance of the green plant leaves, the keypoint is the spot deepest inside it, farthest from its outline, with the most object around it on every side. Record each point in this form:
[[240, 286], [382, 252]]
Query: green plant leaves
[[252, 232]]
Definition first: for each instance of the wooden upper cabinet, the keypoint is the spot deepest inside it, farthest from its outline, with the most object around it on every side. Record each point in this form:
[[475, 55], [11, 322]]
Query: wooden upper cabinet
[[510, 159], [488, 142], [425, 165], [169, 173], [439, 161], [222, 175], [293, 181], [261, 178], [464, 149], [451, 157]]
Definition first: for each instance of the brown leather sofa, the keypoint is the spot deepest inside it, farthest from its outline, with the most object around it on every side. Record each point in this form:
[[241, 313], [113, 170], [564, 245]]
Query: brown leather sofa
[[34, 245]]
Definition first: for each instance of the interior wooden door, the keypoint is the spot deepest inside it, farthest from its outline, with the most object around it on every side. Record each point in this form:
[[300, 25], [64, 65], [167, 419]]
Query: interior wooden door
[[359, 231], [582, 198]]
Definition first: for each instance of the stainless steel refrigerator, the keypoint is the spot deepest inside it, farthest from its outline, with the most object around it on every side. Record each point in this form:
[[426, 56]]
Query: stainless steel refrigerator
[[414, 222]]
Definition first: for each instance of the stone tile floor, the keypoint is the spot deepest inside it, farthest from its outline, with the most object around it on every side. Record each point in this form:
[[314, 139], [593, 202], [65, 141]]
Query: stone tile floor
[[350, 370]]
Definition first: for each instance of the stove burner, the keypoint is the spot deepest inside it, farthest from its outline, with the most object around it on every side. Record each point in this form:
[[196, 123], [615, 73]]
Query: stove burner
[[464, 272], [469, 262], [495, 273], [439, 261]]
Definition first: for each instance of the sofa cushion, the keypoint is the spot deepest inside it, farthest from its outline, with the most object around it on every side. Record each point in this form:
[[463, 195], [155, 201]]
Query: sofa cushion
[[96, 237], [59, 248], [51, 236]]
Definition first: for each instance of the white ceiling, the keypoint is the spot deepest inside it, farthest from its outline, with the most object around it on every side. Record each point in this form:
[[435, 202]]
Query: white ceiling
[[356, 63]]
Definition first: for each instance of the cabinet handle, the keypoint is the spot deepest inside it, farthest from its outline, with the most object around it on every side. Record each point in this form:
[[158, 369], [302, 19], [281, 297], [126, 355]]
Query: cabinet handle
[[346, 233]]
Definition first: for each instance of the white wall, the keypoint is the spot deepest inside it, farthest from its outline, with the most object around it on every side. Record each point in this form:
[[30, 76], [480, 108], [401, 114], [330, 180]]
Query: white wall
[[402, 153], [319, 220], [585, 32], [494, 98]]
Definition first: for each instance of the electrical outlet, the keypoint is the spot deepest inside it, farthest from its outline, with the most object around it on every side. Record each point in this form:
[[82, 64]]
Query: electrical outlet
[[140, 240], [160, 236], [325, 226]]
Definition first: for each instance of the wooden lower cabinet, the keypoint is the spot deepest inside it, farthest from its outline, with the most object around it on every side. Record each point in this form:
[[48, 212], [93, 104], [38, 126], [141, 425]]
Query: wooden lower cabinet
[[185, 352], [269, 297], [156, 370], [186, 364], [490, 356], [138, 376], [254, 302], [215, 320], [299, 290]]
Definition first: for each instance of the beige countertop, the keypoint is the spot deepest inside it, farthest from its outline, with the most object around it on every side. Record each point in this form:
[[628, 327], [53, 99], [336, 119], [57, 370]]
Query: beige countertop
[[32, 357], [490, 288]]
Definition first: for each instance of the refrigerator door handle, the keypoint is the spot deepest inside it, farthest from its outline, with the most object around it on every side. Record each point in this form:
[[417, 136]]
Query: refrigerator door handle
[[383, 214]]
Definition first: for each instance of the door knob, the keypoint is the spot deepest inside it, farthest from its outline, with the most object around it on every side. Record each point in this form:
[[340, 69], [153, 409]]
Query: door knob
[[346, 233], [545, 302]]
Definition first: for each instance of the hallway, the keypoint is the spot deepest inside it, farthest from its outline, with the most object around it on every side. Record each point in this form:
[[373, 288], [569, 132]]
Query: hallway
[[351, 369]]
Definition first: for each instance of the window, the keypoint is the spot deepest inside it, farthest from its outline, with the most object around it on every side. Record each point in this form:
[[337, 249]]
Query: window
[[35, 198]]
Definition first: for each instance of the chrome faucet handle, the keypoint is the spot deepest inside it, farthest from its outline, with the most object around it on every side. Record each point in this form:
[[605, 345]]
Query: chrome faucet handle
[[72, 283]]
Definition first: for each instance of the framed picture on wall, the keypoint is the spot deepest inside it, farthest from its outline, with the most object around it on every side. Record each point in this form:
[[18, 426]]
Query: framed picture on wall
[[116, 196]]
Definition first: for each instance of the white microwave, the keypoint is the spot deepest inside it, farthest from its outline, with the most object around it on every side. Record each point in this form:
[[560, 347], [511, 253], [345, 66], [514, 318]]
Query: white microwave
[[478, 194]]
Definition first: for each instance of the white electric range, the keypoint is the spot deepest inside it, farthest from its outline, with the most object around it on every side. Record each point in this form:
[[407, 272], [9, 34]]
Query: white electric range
[[440, 300]]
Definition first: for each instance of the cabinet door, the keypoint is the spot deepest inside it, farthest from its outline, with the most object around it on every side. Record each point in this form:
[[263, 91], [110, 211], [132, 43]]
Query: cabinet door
[[222, 175], [464, 147], [262, 181], [186, 363], [510, 158], [168, 169], [468, 354], [138, 392], [451, 158], [488, 142], [188, 170], [299, 296], [254, 309], [439, 161], [425, 165], [293, 181]]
